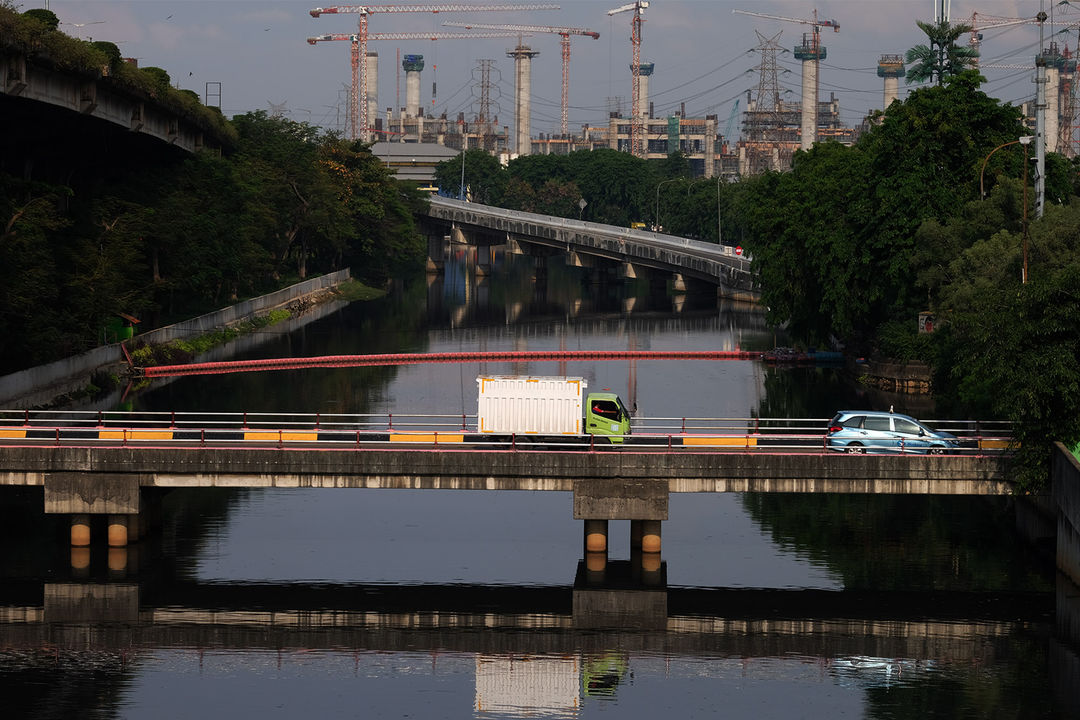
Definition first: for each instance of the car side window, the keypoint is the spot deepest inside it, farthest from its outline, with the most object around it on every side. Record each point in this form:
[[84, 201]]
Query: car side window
[[906, 426], [853, 422], [877, 423]]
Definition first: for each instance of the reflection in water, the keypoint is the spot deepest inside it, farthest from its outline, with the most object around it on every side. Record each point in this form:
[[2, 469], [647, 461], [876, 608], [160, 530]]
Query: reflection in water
[[391, 604]]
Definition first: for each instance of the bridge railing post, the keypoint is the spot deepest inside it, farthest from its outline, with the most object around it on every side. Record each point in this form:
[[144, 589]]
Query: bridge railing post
[[390, 421]]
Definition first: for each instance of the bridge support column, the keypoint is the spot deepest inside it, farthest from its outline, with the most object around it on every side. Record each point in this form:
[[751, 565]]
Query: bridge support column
[[596, 532], [483, 260], [119, 530], [678, 283], [80, 530]]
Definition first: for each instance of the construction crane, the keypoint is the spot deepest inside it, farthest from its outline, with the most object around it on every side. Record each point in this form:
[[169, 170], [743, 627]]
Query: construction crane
[[360, 52], [637, 143], [563, 32], [354, 120], [809, 53]]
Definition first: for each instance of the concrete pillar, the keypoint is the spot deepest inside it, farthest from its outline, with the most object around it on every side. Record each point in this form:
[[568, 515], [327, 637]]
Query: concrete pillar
[[80, 530], [522, 56], [808, 127], [372, 90], [596, 536], [891, 90], [650, 536], [1053, 77], [641, 102], [412, 65], [678, 283], [118, 530]]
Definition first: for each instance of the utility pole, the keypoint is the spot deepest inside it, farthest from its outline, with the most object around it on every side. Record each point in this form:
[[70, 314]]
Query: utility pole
[[1040, 119]]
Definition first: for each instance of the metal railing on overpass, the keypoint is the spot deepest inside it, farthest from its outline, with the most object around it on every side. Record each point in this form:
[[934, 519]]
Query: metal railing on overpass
[[345, 430]]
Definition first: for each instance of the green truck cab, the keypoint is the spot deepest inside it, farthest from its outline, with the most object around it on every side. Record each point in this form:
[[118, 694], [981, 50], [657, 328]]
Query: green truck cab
[[606, 415]]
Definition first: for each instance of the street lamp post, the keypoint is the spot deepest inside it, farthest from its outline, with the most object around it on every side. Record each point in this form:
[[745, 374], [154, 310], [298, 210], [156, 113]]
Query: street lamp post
[[1025, 141], [656, 210]]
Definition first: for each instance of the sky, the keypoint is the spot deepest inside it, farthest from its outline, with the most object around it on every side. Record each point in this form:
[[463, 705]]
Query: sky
[[705, 55]]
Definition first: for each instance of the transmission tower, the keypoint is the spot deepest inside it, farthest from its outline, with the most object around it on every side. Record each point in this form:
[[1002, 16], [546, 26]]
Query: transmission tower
[[486, 109]]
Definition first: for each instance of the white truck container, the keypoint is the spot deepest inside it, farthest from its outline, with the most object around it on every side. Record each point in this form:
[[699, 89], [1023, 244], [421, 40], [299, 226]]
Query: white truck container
[[530, 404]]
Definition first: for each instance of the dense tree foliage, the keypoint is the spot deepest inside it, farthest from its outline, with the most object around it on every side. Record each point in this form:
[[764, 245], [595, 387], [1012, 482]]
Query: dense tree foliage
[[183, 237], [835, 238]]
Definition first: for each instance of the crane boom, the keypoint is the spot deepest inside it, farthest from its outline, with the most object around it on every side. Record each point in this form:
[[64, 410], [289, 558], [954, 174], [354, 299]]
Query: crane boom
[[410, 36], [565, 32], [372, 9], [527, 28], [802, 21]]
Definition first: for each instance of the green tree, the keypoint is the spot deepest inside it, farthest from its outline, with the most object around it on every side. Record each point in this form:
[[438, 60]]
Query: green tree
[[480, 173], [46, 17], [1012, 347], [942, 57]]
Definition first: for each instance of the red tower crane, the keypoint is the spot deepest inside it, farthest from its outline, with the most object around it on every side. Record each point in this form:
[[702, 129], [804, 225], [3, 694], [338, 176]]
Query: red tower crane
[[637, 130], [563, 32], [354, 121], [360, 52]]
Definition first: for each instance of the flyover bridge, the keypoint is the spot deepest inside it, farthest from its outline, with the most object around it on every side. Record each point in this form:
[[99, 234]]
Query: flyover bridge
[[585, 244], [116, 464]]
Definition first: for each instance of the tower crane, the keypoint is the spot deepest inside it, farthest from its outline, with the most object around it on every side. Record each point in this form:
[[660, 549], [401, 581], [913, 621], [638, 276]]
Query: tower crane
[[810, 53], [355, 56], [563, 32], [360, 52], [637, 144]]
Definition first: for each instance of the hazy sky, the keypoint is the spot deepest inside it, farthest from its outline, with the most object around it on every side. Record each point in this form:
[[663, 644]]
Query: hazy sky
[[705, 55]]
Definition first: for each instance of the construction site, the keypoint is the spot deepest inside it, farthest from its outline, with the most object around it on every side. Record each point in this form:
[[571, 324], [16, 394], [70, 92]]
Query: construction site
[[763, 135]]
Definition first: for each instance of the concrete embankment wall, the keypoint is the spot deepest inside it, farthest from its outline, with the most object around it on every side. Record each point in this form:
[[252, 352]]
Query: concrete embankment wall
[[1065, 482], [39, 385]]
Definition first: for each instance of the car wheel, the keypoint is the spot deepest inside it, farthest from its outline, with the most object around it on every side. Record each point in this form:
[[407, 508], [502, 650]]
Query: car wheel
[[855, 449], [937, 451]]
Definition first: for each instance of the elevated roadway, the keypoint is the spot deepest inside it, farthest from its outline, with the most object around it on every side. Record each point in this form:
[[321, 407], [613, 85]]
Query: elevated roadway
[[582, 242]]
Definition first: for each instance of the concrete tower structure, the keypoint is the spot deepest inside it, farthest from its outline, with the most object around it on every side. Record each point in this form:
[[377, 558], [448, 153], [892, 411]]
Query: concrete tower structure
[[372, 91], [641, 102], [890, 67], [809, 52], [522, 56], [412, 65]]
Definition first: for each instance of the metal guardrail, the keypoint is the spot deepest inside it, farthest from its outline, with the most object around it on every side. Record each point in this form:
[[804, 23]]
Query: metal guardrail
[[338, 430]]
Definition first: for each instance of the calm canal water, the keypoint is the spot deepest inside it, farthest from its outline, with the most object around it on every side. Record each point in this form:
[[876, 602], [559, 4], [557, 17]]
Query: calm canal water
[[458, 604]]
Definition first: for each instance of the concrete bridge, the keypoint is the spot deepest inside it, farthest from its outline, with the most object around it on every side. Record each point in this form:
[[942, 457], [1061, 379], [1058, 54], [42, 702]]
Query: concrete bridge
[[630, 253], [118, 477], [593, 616], [50, 105]]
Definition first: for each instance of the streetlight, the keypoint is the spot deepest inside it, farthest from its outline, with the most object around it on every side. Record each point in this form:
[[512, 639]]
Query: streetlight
[[1025, 141], [656, 210], [719, 236]]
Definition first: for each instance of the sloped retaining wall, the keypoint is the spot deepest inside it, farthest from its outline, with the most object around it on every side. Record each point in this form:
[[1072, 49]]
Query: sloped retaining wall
[[40, 385]]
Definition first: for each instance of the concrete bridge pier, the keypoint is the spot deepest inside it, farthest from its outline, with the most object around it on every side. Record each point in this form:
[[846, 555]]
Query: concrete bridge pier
[[82, 495]]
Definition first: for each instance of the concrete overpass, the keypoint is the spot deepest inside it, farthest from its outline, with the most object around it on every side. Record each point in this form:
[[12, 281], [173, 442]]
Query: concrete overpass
[[585, 244], [631, 483], [35, 95]]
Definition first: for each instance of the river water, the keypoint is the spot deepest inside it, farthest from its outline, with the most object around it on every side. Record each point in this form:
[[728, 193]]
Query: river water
[[456, 604]]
